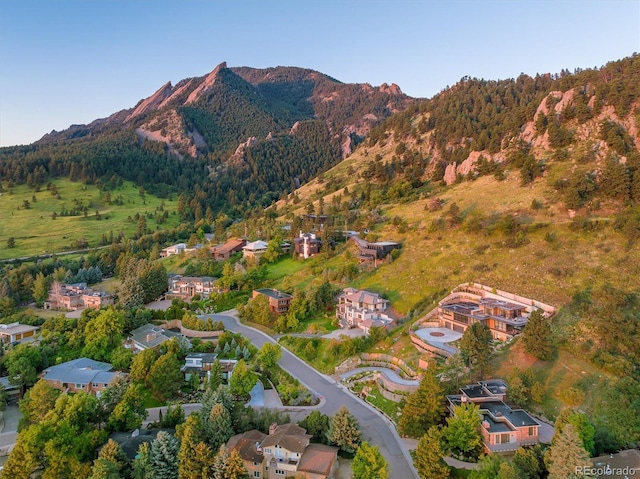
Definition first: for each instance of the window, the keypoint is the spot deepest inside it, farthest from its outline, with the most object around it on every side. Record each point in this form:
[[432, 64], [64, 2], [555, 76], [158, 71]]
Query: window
[[268, 451], [79, 386], [280, 472], [504, 439], [532, 431], [256, 473], [256, 463]]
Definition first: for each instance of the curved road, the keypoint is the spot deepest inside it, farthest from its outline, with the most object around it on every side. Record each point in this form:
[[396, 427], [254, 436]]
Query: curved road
[[375, 428]]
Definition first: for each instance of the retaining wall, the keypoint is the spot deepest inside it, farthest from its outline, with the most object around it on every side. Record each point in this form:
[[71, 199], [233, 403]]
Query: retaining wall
[[191, 333]]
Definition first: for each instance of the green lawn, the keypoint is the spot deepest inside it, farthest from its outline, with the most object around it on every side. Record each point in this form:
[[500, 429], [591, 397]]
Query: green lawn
[[391, 408], [36, 232]]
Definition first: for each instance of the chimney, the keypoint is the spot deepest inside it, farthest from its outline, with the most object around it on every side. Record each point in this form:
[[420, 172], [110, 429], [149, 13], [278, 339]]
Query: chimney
[[272, 428]]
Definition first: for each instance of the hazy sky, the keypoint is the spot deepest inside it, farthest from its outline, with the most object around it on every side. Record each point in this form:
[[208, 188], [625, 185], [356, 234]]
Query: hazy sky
[[65, 62]]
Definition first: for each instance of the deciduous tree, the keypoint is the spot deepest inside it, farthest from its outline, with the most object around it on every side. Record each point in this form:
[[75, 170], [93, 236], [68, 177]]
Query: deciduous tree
[[463, 431], [368, 463]]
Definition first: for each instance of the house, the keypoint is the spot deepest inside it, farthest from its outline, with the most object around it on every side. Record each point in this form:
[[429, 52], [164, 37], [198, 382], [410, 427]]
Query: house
[[174, 249], [372, 253], [201, 363], [223, 252], [76, 296], [505, 314], [149, 336], [363, 309], [186, 287], [503, 429], [307, 245], [81, 374], [285, 452], [97, 299], [17, 333], [13, 391], [279, 302], [254, 250]]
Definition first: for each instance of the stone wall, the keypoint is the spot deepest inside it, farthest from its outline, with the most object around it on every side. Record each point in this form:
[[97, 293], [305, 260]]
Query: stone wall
[[191, 333]]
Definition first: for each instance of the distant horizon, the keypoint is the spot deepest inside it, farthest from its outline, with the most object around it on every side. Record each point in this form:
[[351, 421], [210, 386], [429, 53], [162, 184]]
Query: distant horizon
[[72, 62]]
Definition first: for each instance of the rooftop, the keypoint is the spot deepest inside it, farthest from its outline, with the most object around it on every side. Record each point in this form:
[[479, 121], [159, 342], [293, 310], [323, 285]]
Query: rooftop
[[273, 293]]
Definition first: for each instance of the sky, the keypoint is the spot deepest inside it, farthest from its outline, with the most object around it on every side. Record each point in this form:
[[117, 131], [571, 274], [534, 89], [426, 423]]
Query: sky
[[65, 62]]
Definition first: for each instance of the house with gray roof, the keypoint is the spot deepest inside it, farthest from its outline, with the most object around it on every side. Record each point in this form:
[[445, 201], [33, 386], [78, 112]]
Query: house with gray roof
[[149, 336], [81, 374], [504, 429]]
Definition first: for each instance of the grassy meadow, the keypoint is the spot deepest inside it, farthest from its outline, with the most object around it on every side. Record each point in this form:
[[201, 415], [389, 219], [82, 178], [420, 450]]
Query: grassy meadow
[[36, 232]]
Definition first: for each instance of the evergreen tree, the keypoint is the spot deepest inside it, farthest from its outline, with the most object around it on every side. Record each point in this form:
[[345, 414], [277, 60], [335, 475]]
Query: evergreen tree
[[536, 336], [424, 408], [113, 453], [235, 468], [344, 430], [566, 458], [164, 456], [476, 346], [142, 466], [219, 467], [105, 469], [194, 458], [368, 463], [218, 428], [429, 456]]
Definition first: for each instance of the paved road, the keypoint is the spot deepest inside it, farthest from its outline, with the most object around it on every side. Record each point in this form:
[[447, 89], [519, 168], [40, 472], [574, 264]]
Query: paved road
[[375, 428]]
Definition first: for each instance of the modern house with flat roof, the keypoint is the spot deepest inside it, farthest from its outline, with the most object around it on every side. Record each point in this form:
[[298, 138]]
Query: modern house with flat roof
[[373, 252], [503, 429], [505, 314], [17, 333], [279, 302]]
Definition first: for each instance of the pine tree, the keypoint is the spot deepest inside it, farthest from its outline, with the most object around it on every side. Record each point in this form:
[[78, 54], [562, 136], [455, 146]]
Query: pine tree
[[191, 434], [113, 453], [164, 456], [536, 336], [429, 454], [235, 468], [218, 428], [142, 467], [105, 469], [368, 463], [476, 347], [567, 458], [219, 467], [344, 430], [424, 408], [215, 376]]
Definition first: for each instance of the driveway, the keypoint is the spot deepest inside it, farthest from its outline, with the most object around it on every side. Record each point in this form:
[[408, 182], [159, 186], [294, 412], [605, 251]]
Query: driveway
[[375, 428]]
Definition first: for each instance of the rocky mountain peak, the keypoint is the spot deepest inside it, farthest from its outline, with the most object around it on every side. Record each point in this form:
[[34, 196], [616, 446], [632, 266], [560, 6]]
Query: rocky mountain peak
[[207, 83]]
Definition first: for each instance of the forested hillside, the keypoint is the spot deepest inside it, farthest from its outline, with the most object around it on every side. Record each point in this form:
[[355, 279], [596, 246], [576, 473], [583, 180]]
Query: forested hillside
[[224, 143], [530, 185]]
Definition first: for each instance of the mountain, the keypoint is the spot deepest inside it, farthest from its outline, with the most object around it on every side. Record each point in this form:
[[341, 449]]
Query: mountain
[[230, 140]]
